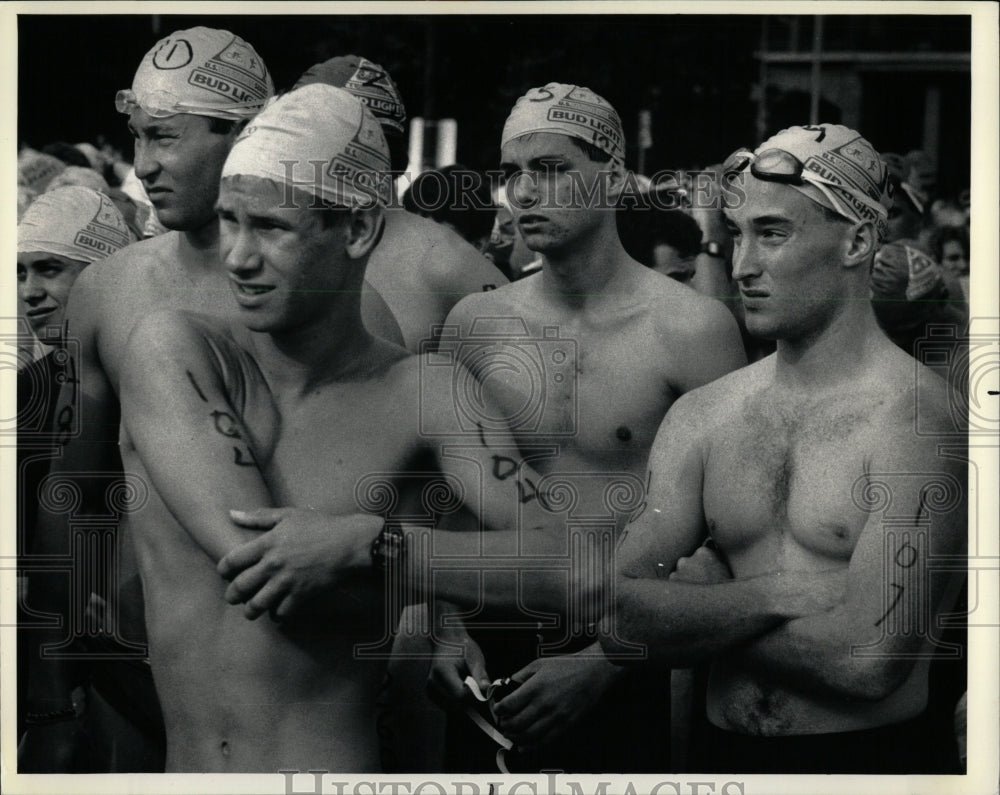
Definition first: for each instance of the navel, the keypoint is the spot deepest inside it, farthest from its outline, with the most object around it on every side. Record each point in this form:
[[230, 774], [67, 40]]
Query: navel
[[623, 433]]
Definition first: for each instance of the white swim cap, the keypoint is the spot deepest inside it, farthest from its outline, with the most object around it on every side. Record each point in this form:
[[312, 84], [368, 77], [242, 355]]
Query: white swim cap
[[74, 222], [202, 71], [319, 139], [567, 110]]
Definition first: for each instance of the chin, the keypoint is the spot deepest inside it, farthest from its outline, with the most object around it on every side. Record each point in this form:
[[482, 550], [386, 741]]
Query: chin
[[761, 328]]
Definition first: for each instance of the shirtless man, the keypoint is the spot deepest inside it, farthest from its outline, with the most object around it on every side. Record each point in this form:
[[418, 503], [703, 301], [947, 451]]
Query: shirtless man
[[803, 468], [191, 95], [640, 341], [183, 130], [299, 408], [421, 268]]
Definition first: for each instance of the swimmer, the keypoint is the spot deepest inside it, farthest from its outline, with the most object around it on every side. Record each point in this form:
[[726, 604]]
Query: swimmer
[[63, 232], [420, 268], [296, 406], [639, 341], [183, 128], [783, 464]]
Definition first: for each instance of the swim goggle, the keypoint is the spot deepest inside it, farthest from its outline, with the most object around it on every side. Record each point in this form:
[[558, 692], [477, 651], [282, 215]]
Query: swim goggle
[[160, 104], [777, 165]]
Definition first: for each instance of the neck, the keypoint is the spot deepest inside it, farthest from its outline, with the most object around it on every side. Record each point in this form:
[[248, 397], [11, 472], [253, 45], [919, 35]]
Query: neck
[[594, 265], [835, 353], [200, 247], [332, 348]]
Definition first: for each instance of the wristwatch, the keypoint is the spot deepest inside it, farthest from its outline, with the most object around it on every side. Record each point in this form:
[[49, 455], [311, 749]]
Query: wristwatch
[[388, 547], [713, 249]]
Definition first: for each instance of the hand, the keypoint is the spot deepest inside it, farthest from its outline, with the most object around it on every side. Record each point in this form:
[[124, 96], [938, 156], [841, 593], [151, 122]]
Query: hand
[[450, 666], [302, 554], [555, 693], [52, 748], [703, 567]]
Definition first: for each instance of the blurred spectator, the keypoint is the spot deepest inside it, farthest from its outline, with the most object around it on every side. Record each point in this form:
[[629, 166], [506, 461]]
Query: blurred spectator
[[665, 240], [456, 197], [25, 196], [83, 176], [950, 245], [68, 153], [36, 170], [923, 170], [906, 217], [946, 212], [909, 293]]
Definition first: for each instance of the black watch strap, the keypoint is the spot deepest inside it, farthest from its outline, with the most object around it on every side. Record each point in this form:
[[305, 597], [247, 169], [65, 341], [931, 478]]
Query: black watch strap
[[388, 547]]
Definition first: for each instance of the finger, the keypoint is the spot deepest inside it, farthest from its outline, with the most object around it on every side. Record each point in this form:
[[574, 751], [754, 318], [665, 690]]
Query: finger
[[517, 722], [247, 583], [445, 681], [243, 556], [475, 663], [259, 518], [268, 597], [543, 730], [517, 701]]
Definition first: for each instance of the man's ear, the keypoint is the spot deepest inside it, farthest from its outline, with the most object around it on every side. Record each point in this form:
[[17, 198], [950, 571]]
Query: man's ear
[[364, 230], [616, 179], [860, 244]]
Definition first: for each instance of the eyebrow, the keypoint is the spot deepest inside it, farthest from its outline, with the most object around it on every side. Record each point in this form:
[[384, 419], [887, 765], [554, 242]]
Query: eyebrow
[[769, 220], [156, 128]]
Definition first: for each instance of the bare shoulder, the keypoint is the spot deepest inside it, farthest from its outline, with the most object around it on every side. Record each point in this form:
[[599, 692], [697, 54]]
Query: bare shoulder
[[681, 310], [921, 407], [514, 299], [180, 334], [131, 264], [452, 261], [719, 401]]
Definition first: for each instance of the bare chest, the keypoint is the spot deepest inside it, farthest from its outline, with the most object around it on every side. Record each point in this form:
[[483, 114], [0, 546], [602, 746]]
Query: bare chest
[[600, 397], [781, 485], [340, 452]]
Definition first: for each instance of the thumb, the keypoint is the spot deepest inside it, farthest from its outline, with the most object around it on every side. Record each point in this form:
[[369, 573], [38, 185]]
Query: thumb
[[526, 673], [476, 665], [258, 519]]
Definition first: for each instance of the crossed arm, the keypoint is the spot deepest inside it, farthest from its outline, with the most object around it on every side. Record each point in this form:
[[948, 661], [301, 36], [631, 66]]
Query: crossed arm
[[178, 408], [864, 646], [680, 623]]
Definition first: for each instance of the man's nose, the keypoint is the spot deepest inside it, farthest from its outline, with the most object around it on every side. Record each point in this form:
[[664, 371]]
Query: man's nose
[[147, 162], [522, 190], [746, 262], [31, 290], [239, 250]]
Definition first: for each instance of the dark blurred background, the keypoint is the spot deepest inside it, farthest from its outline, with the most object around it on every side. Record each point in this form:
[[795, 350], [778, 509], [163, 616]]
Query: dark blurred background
[[709, 83]]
